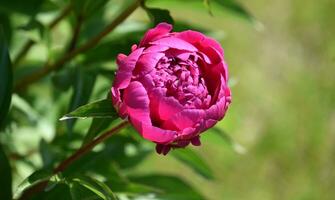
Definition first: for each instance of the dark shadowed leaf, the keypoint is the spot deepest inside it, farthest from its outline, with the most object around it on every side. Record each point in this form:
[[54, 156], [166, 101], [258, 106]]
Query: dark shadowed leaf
[[27, 7], [86, 8], [193, 160], [108, 50], [173, 188], [47, 153], [60, 191], [123, 150], [97, 126], [79, 192], [97, 187], [82, 89], [5, 78], [6, 177], [100, 109], [35, 178], [158, 15], [233, 6]]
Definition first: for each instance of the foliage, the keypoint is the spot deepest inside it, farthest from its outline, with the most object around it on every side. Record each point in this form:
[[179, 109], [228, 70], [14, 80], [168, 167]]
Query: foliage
[[63, 54]]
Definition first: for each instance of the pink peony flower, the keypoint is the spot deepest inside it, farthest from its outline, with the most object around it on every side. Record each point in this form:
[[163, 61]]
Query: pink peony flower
[[172, 86]]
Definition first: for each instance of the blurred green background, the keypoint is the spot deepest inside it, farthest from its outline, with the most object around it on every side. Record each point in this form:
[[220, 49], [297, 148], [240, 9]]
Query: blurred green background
[[283, 108], [282, 119]]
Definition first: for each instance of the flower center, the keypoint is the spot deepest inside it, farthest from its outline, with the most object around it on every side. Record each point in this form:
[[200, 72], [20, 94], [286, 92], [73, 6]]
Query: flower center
[[183, 80]]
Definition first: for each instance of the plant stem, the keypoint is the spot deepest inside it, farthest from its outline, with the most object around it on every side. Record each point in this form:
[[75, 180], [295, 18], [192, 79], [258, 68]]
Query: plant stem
[[27, 194], [88, 147], [27, 46], [88, 45]]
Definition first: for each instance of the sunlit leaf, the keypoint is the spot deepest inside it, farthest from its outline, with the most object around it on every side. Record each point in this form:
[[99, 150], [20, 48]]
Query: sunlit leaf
[[103, 109], [193, 160], [6, 177], [5, 78]]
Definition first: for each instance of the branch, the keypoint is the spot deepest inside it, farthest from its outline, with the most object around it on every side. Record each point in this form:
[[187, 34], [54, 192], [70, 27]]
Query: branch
[[88, 45], [26, 47], [78, 154]]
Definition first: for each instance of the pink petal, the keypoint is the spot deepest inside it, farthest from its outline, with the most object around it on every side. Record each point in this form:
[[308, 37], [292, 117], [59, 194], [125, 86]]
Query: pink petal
[[199, 39], [162, 107], [187, 118], [126, 67], [175, 43], [137, 102], [159, 31], [147, 62]]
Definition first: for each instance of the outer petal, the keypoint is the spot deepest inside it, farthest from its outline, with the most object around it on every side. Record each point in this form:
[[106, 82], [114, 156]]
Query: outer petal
[[174, 42], [187, 118], [126, 67], [218, 110], [199, 39], [159, 31], [137, 103]]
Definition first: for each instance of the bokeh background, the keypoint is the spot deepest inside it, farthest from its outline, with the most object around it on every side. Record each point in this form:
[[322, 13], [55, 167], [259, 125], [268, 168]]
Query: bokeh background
[[281, 121]]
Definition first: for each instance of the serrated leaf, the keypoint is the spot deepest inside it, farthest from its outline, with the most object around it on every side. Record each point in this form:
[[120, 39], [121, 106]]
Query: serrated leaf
[[6, 177], [5, 78], [193, 160], [96, 186], [99, 109]]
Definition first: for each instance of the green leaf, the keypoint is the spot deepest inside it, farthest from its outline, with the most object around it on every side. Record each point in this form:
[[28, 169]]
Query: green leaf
[[111, 48], [34, 179], [96, 186], [6, 177], [122, 150], [27, 7], [60, 191], [5, 79], [79, 192], [193, 160], [82, 89], [158, 15], [100, 109], [97, 126], [235, 146], [86, 8], [235, 7], [173, 187]]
